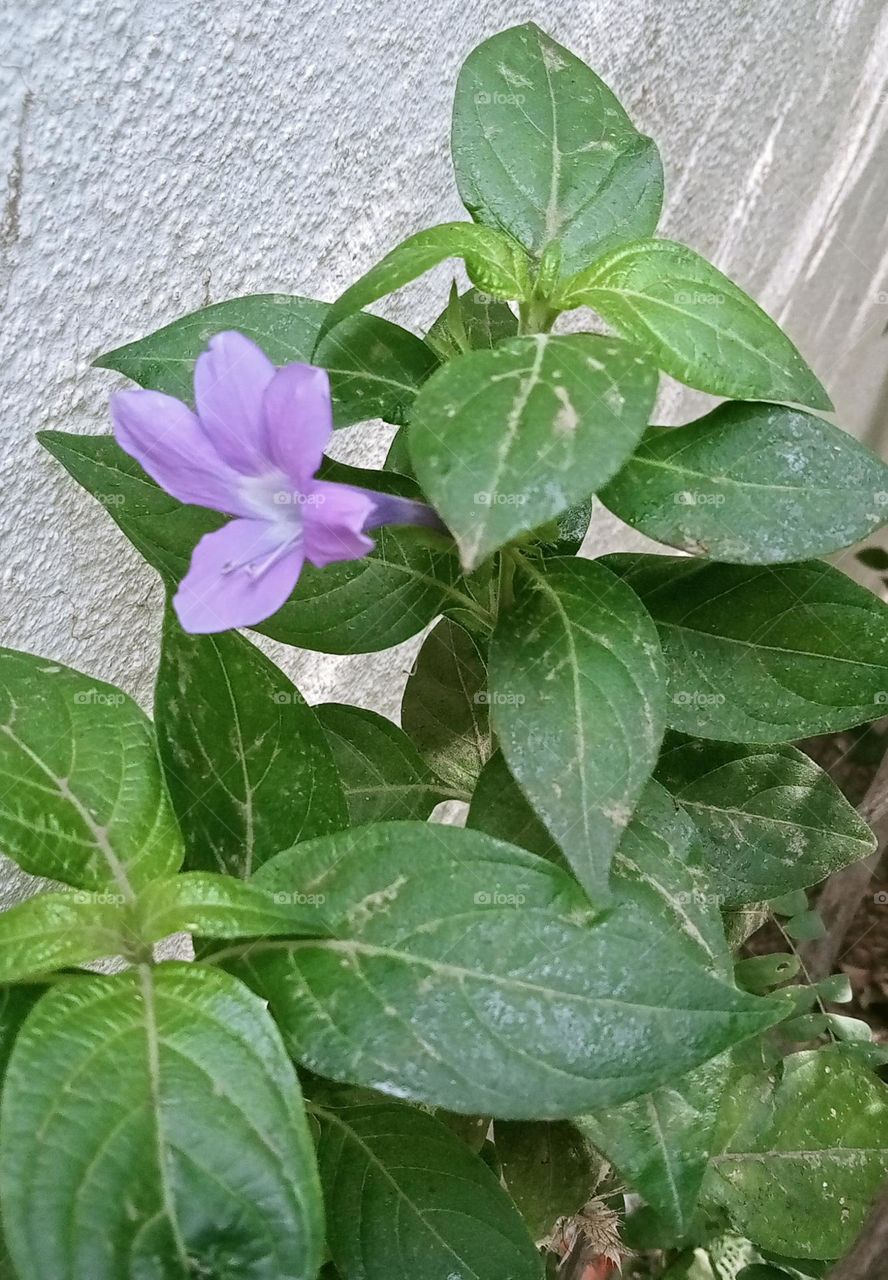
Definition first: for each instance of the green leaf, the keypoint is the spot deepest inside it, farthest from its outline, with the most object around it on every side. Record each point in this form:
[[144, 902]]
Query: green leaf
[[548, 1169], [560, 414], [649, 875], [445, 707], [84, 801], [494, 262], [56, 930], [802, 1152], [763, 655], [383, 775], [356, 606], [473, 321], [361, 606], [405, 1197], [661, 1143], [806, 927], [161, 529], [457, 963], [543, 149], [576, 688], [247, 765], [375, 367], [219, 906], [694, 323], [769, 820], [158, 1112], [759, 973], [752, 484]]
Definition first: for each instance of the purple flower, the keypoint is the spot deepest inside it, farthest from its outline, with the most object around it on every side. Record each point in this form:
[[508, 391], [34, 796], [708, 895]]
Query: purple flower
[[251, 451]]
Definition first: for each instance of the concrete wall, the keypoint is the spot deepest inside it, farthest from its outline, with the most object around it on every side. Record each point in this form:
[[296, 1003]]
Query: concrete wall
[[162, 156]]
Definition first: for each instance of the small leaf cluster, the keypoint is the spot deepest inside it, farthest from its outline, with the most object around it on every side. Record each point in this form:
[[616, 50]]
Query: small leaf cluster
[[410, 1049]]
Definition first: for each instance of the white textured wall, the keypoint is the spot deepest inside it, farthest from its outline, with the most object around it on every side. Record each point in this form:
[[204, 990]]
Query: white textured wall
[[160, 156]]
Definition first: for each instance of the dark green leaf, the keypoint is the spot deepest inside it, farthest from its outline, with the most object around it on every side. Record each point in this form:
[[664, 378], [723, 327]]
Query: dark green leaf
[[576, 688], [351, 607], [375, 367], [803, 1149], [383, 775], [763, 654], [158, 1111], [246, 762], [444, 711], [84, 800], [694, 323], [468, 974], [874, 558], [759, 973], [561, 414], [543, 149], [477, 320], [548, 1169], [361, 606], [769, 820], [661, 1143], [405, 1198], [752, 484]]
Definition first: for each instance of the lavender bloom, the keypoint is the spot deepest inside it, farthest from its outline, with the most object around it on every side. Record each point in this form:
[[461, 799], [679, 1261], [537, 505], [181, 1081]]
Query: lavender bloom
[[251, 451]]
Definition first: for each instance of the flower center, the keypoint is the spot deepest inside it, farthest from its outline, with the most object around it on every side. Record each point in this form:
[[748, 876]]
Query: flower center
[[271, 496]]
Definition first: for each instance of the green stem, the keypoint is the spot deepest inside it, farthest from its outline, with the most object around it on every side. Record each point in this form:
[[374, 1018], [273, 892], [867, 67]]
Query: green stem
[[535, 316]]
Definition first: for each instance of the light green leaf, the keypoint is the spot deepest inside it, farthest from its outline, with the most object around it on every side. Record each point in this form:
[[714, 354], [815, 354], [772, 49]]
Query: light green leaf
[[576, 688], [84, 801], [494, 262], [383, 775], [375, 602], [763, 654], [444, 710], [769, 820], [472, 320], [543, 149], [220, 906], [803, 1150], [561, 414], [158, 1112], [375, 367], [57, 930], [694, 323], [752, 484], [455, 965], [661, 1143], [247, 765], [405, 1197], [548, 1169]]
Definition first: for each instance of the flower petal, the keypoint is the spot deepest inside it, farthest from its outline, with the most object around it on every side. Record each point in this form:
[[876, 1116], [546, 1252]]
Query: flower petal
[[214, 596], [230, 379], [334, 516], [165, 437], [298, 420]]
